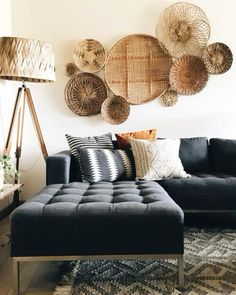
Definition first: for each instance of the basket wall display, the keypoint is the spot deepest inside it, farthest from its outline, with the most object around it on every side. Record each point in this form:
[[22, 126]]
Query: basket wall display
[[188, 75], [218, 58], [183, 28], [115, 110], [89, 56], [85, 93], [137, 68]]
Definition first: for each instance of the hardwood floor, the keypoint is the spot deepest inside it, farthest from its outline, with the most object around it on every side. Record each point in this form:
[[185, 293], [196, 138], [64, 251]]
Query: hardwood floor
[[37, 278]]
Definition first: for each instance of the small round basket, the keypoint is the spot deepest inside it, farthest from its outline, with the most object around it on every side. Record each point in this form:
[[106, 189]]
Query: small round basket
[[115, 110], [169, 98], [85, 93], [89, 56], [188, 75], [218, 58], [71, 69]]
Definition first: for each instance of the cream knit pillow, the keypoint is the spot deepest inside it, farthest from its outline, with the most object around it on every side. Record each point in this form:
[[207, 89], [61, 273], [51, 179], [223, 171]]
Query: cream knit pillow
[[157, 159]]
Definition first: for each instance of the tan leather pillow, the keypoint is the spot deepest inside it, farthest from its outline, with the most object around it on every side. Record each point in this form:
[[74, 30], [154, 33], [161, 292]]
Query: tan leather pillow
[[123, 138]]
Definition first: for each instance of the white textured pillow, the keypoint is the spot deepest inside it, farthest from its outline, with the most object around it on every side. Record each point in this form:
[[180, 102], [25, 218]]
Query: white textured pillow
[[157, 159]]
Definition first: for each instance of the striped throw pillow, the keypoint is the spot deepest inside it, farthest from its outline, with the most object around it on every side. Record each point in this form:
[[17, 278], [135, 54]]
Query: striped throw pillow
[[101, 141], [106, 164]]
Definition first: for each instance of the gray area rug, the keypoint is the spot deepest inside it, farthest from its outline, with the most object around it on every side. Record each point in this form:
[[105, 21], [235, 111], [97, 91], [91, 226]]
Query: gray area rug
[[210, 268]]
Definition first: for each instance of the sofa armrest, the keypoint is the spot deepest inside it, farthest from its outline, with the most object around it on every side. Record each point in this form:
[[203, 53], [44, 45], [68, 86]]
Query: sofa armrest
[[58, 168]]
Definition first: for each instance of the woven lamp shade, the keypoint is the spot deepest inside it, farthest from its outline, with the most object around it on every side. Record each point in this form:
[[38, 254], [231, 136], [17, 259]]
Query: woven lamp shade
[[26, 60]]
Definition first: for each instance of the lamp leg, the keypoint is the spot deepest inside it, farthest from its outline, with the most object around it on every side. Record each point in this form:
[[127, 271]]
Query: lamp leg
[[36, 122], [7, 147], [20, 127]]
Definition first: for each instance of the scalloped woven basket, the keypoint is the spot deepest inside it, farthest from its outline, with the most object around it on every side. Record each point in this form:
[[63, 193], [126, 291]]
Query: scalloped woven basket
[[115, 110], [218, 58], [89, 56], [137, 69], [188, 75], [85, 93]]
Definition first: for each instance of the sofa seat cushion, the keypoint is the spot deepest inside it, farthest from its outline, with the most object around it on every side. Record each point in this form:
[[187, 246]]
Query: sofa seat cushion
[[123, 217], [203, 191]]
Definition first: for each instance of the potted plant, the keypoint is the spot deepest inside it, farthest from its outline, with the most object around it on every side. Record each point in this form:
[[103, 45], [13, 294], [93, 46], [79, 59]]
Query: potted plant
[[8, 172]]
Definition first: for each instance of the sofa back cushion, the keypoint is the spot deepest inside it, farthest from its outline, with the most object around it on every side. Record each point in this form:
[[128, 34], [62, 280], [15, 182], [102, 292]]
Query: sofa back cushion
[[194, 154], [223, 155]]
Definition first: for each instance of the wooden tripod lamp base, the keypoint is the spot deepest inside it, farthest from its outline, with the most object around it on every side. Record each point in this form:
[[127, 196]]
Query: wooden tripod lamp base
[[23, 97]]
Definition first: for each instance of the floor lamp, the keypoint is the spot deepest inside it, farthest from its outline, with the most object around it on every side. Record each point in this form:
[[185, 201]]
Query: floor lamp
[[25, 60]]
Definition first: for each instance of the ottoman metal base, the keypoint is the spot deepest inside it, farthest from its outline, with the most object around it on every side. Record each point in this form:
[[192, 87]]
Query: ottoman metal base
[[17, 260]]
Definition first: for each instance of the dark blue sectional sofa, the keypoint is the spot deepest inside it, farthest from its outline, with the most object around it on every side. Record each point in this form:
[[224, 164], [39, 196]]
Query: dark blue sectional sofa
[[211, 163]]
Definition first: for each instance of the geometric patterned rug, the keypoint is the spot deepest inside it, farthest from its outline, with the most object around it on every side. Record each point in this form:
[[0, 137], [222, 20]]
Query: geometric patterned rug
[[210, 268]]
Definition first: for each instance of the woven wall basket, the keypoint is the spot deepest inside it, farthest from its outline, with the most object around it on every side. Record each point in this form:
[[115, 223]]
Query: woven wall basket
[[85, 93], [115, 110], [169, 98], [184, 29], [188, 75], [89, 56], [137, 69], [218, 58], [71, 69]]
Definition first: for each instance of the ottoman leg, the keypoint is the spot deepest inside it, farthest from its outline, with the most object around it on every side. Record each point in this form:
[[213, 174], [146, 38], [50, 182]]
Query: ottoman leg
[[16, 277], [181, 271]]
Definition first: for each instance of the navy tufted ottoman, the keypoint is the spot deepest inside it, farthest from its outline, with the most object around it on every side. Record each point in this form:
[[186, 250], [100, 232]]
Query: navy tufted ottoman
[[120, 220]]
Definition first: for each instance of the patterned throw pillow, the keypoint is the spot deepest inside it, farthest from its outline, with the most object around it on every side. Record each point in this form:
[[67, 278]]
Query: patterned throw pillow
[[157, 159], [102, 141], [123, 138], [106, 165]]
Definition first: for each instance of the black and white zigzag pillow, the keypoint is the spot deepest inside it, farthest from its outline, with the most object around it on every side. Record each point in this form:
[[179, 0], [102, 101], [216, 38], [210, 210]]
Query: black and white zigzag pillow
[[106, 165], [100, 142]]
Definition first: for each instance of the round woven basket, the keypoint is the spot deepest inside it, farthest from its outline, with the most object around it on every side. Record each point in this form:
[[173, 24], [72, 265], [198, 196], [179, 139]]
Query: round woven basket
[[188, 75], [184, 29], [89, 55], [85, 93], [218, 58], [137, 68], [71, 69], [169, 98], [115, 110]]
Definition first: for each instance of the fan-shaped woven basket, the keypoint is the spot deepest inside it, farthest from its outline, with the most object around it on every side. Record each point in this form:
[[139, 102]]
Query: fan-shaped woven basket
[[137, 68], [115, 110], [183, 28], [85, 93], [89, 56], [169, 98], [188, 75], [218, 58]]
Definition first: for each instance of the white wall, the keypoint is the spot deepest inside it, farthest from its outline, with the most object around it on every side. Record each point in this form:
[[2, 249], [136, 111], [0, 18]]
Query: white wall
[[63, 23]]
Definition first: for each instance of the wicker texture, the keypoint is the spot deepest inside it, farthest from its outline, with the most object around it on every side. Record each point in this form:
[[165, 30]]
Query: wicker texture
[[26, 60], [218, 58], [115, 110], [188, 75], [71, 69], [169, 98], [183, 28], [89, 56], [137, 69], [85, 93]]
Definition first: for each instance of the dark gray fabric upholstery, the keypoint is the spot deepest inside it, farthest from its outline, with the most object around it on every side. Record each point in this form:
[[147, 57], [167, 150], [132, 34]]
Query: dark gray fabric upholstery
[[203, 191], [223, 155], [194, 154], [124, 217]]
